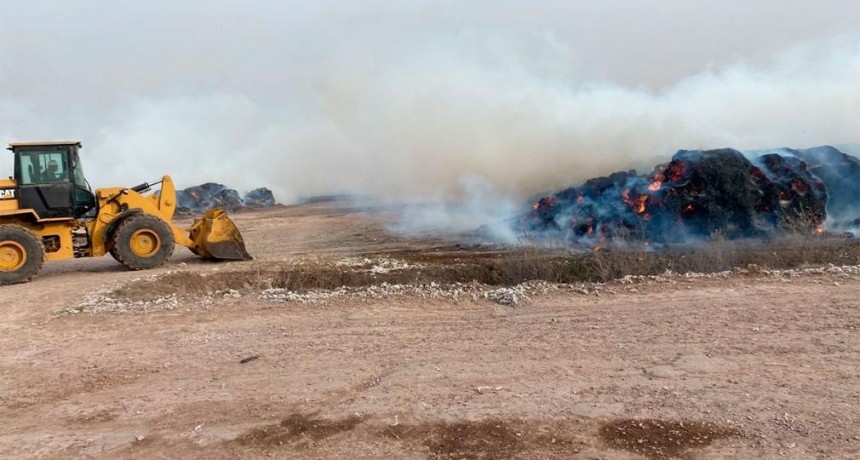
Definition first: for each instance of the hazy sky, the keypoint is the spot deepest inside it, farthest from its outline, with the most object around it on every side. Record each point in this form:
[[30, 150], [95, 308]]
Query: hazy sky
[[411, 97]]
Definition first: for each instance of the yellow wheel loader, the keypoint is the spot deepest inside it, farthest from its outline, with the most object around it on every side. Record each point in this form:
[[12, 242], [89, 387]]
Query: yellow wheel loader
[[49, 212]]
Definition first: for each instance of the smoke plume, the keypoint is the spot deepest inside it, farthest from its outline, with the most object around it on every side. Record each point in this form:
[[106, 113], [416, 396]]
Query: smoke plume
[[405, 103]]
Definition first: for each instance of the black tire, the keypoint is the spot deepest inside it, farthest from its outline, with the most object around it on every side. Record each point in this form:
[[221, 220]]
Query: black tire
[[113, 253], [111, 239], [21, 254], [141, 242]]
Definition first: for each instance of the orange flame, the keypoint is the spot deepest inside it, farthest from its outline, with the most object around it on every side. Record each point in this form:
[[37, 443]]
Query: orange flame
[[640, 203]]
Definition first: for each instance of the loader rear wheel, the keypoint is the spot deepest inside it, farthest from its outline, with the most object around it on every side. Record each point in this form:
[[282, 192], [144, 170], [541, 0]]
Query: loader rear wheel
[[21, 254], [141, 242]]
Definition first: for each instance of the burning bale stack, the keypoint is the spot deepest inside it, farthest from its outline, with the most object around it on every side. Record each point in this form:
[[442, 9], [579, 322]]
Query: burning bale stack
[[212, 195], [699, 194]]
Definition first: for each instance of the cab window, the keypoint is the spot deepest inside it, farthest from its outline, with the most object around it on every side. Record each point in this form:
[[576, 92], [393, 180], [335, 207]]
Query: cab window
[[27, 171], [78, 171], [43, 168]]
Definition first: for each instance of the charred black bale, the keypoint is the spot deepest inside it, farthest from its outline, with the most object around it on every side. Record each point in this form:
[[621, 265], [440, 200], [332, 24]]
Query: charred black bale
[[601, 208], [797, 198], [259, 198], [717, 194], [840, 173], [199, 197], [210, 195], [594, 209], [227, 199]]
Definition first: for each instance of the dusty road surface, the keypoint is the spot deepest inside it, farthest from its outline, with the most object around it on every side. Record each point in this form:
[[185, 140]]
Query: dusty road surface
[[761, 365]]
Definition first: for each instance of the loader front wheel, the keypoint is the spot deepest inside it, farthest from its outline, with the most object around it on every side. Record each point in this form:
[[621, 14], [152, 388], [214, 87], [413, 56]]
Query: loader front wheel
[[21, 254], [141, 242]]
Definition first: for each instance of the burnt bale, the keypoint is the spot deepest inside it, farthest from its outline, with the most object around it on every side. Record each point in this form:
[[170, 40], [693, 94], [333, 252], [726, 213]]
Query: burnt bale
[[200, 198], [840, 173], [259, 198], [228, 199], [717, 193], [594, 210], [794, 197]]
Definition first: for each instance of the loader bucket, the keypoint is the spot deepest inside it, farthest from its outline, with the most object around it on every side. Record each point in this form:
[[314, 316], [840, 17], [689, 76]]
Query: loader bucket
[[215, 236]]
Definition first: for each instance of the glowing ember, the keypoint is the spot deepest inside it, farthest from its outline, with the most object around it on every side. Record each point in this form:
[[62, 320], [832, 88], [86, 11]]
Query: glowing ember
[[676, 171], [799, 186], [545, 202]]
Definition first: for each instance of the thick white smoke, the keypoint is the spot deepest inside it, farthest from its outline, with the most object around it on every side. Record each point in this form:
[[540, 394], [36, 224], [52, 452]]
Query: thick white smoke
[[382, 109], [413, 128], [449, 128]]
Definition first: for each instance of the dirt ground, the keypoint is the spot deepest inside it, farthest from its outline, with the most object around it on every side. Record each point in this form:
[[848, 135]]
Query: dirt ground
[[724, 366]]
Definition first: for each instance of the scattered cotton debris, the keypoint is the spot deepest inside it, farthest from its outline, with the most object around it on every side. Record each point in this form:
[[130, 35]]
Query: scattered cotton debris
[[109, 299]]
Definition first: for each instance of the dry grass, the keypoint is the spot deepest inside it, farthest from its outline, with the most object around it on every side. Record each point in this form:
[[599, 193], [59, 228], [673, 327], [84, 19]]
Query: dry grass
[[505, 268], [725, 255]]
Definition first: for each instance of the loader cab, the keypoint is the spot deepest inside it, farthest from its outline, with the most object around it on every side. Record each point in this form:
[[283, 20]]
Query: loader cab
[[51, 179]]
